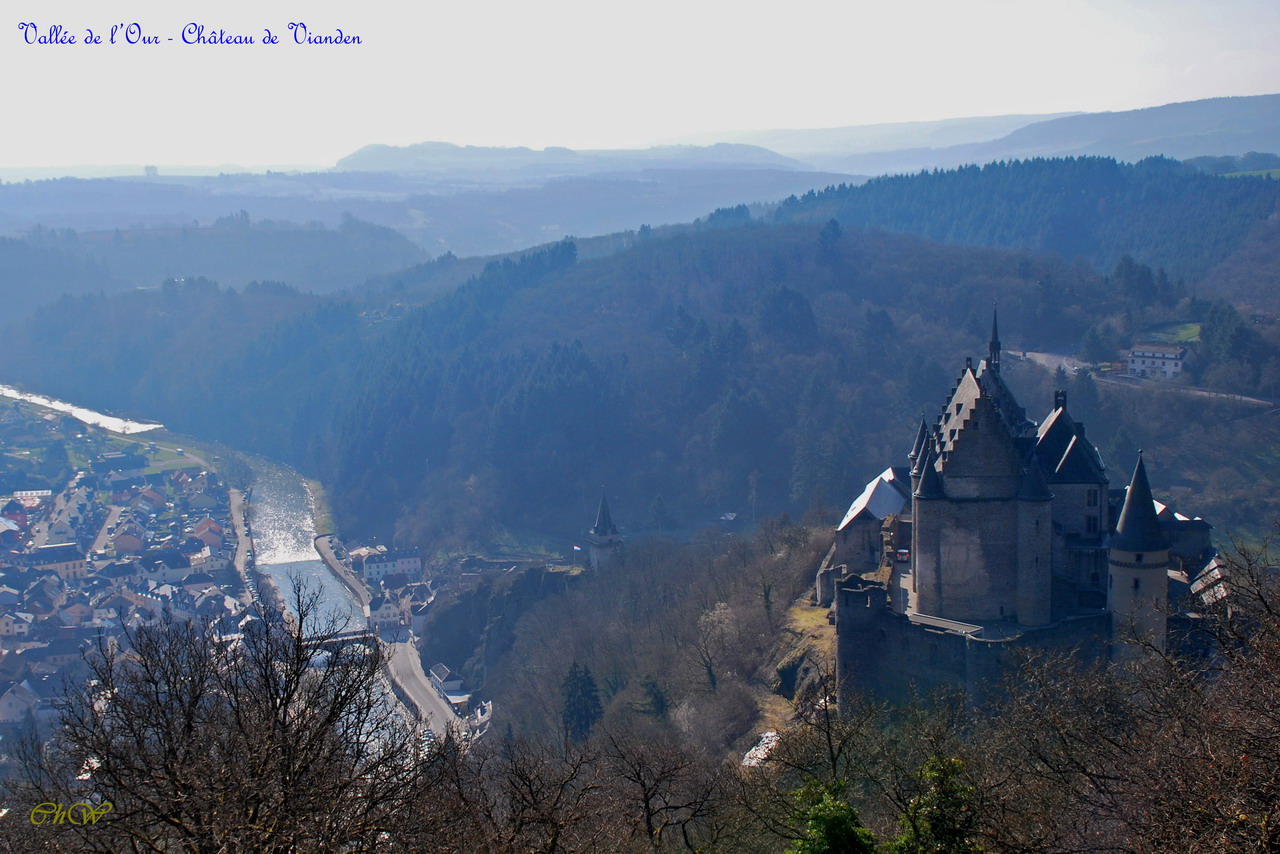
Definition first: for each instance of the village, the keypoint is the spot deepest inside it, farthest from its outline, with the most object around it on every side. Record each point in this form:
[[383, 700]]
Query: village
[[142, 533]]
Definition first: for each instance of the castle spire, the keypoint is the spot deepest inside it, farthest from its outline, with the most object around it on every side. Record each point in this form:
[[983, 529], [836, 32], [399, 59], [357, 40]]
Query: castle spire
[[604, 526], [922, 436], [993, 348], [1138, 529], [930, 485]]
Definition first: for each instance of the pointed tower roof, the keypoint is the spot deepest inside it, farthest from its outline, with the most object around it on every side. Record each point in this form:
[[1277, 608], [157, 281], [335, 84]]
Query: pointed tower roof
[[930, 481], [604, 526], [1138, 529], [922, 436]]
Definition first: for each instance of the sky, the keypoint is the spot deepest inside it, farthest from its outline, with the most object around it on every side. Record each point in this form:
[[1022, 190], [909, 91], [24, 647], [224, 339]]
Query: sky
[[588, 73]]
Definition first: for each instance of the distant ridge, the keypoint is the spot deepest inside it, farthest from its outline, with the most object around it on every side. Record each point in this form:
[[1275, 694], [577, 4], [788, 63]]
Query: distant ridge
[[1212, 126], [815, 144], [458, 160], [1186, 129]]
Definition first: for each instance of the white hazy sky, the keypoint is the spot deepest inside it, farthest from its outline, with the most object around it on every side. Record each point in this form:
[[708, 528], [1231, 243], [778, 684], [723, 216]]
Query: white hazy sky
[[592, 73]]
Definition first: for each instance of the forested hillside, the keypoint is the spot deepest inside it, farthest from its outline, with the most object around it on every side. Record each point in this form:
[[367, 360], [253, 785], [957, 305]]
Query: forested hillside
[[731, 366], [1159, 211], [234, 250]]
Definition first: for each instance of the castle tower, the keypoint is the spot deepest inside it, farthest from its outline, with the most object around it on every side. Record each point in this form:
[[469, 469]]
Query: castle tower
[[1138, 588], [603, 541], [1035, 548], [928, 506], [917, 454]]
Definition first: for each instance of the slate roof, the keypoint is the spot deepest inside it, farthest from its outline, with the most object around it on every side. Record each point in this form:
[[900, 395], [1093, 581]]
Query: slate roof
[[930, 481], [887, 494], [1138, 529], [604, 526], [1066, 455]]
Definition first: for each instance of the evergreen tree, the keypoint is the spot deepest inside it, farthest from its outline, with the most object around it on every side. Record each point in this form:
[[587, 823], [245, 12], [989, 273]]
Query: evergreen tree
[[941, 818], [1222, 335], [582, 708], [1084, 401], [55, 467], [831, 824], [829, 243], [1097, 345]]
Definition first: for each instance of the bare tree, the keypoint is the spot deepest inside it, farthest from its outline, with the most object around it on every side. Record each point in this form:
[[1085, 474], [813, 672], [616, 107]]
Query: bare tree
[[1178, 751], [664, 796], [281, 738]]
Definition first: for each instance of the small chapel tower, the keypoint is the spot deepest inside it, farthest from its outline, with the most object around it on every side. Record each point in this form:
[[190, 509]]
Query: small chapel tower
[[603, 541], [1138, 590]]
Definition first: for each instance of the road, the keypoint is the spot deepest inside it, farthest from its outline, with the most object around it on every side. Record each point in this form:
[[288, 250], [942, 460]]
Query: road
[[113, 516], [404, 666], [244, 545], [1070, 364], [325, 547], [1053, 361]]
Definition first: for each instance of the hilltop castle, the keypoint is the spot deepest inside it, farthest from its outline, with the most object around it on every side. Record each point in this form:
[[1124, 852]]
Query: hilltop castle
[[999, 533]]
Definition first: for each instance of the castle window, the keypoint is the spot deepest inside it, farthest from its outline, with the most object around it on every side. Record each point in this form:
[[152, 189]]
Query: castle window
[[1137, 558], [1091, 498], [1137, 584], [1091, 524]]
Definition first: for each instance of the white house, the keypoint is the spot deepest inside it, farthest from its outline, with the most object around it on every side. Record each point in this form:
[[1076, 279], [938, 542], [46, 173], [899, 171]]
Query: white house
[[1156, 361]]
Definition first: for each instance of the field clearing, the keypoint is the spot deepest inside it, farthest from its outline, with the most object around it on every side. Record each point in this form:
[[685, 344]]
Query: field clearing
[[1174, 333]]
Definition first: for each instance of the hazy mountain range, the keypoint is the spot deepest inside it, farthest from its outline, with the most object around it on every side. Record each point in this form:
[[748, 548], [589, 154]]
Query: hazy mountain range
[[1188, 129], [438, 197]]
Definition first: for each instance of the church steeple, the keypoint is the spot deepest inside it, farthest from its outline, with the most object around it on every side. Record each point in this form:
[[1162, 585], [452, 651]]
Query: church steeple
[[993, 347], [604, 526], [603, 539]]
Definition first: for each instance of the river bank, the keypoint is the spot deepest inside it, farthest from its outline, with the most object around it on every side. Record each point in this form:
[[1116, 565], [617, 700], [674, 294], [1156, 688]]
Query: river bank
[[113, 423]]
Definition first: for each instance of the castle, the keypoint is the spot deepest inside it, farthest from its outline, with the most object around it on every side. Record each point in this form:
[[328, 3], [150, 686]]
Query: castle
[[999, 534]]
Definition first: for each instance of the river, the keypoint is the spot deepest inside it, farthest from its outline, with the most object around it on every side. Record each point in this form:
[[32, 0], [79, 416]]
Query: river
[[88, 416], [283, 522], [282, 517]]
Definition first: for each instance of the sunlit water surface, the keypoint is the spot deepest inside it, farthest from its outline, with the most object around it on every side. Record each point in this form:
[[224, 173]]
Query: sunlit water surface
[[284, 543]]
